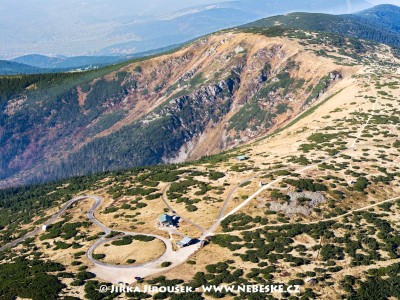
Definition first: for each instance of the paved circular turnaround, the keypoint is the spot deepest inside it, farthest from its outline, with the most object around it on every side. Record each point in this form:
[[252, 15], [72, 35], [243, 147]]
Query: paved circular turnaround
[[111, 272], [101, 240]]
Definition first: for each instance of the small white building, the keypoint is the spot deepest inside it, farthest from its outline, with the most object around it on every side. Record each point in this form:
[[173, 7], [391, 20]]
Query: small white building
[[186, 241], [44, 227], [242, 157]]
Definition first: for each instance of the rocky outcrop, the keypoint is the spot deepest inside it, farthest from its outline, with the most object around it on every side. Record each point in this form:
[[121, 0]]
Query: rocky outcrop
[[299, 203]]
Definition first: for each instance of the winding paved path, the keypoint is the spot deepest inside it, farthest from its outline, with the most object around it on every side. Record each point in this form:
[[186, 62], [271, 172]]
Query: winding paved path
[[56, 216], [118, 273]]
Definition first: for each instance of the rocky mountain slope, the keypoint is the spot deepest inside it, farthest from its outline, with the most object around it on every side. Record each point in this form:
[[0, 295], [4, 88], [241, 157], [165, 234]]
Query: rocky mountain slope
[[215, 93]]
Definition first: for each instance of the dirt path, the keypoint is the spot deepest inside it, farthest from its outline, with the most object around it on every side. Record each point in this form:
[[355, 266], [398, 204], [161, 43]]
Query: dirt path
[[319, 221], [272, 183]]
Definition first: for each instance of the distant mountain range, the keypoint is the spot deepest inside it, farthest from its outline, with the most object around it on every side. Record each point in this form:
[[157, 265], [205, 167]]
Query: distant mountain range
[[121, 28], [39, 64], [12, 68], [199, 20], [42, 61], [380, 24]]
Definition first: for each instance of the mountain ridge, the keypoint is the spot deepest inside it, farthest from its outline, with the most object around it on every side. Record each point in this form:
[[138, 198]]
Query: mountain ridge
[[13, 68], [379, 24], [43, 61], [47, 64]]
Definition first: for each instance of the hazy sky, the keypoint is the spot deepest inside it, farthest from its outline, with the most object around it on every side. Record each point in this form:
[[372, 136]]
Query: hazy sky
[[134, 7], [74, 27], [396, 2], [131, 7]]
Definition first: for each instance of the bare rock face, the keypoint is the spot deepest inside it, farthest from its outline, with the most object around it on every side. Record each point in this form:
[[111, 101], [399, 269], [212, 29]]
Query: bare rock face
[[299, 203]]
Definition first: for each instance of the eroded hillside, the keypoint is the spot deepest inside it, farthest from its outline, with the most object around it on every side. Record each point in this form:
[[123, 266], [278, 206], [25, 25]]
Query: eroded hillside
[[218, 92]]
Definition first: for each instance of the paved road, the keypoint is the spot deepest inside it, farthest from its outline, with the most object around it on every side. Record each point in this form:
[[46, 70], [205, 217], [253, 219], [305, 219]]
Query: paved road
[[210, 231], [56, 216], [214, 226], [103, 239], [117, 273], [221, 214]]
